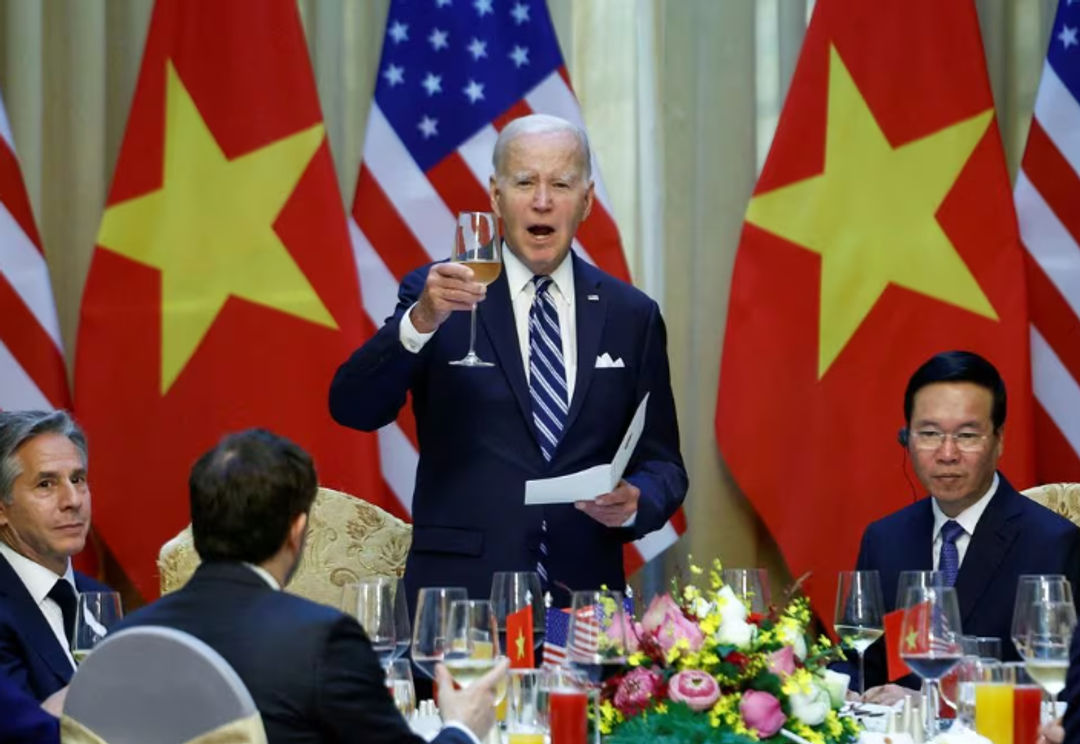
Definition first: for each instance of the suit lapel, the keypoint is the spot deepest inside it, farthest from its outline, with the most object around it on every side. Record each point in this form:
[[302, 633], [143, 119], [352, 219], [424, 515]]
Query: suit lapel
[[496, 315], [32, 623], [994, 535], [589, 315]]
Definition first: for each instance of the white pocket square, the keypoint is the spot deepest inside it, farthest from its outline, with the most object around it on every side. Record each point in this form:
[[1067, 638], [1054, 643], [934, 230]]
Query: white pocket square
[[604, 361]]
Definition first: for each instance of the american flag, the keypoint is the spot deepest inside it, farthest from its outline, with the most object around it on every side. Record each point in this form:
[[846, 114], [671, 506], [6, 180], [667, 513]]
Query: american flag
[[31, 352], [557, 630], [1047, 197], [451, 75]]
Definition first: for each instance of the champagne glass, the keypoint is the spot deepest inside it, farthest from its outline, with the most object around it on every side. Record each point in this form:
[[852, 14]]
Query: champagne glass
[[477, 246], [1045, 645], [472, 638], [1032, 588], [930, 641], [513, 592], [371, 602], [402, 626], [429, 628], [858, 619], [399, 681], [751, 585], [95, 615], [596, 639]]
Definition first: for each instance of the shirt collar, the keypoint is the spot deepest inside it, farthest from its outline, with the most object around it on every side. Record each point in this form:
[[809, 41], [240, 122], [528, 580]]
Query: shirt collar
[[518, 275], [37, 579], [265, 575], [970, 516]]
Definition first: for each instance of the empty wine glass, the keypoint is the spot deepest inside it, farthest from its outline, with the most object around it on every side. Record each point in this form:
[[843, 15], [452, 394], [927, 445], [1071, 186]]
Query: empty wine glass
[[96, 614], [858, 619], [930, 641], [371, 602], [749, 584], [429, 628], [514, 592], [477, 246]]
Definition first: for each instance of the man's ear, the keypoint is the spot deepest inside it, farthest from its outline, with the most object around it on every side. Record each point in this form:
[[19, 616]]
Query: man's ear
[[296, 532]]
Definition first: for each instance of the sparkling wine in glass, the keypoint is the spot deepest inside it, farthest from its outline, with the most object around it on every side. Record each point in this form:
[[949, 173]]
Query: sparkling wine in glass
[[429, 628], [859, 610], [371, 602], [1032, 588], [96, 614], [472, 642], [512, 592], [1045, 645], [930, 641], [477, 245], [596, 640]]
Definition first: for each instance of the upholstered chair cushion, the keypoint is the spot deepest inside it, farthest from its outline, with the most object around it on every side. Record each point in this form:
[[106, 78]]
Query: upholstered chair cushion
[[1063, 498], [348, 539]]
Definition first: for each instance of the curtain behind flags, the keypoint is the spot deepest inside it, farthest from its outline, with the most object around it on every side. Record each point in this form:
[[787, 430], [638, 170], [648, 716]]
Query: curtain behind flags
[[31, 352], [451, 76], [222, 292], [880, 232], [1048, 207]]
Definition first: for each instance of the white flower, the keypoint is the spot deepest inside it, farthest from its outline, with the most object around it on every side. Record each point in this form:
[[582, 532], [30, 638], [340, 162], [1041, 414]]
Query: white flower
[[836, 684], [731, 607], [735, 633], [791, 634], [811, 707], [701, 607]]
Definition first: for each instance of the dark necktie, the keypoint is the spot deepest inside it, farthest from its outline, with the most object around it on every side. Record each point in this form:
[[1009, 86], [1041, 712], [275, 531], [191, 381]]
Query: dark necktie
[[64, 595], [547, 385], [949, 557]]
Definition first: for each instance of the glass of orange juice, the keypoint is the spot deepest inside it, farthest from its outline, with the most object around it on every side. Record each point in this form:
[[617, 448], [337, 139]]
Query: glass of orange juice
[[994, 701]]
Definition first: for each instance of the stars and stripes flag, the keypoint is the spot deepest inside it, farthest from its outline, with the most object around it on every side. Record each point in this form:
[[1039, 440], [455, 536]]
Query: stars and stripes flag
[[557, 631], [1047, 195], [452, 74], [32, 372]]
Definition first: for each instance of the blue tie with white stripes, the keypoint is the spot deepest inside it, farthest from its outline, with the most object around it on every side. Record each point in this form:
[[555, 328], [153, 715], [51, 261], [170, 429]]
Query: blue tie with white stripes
[[547, 385]]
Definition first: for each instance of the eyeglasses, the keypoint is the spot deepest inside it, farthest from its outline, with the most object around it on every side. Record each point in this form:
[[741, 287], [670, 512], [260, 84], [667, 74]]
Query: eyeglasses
[[930, 439]]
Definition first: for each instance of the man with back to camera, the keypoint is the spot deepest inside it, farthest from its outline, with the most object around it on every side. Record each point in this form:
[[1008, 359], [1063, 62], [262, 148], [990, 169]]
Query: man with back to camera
[[310, 668], [44, 520], [575, 351], [975, 528]]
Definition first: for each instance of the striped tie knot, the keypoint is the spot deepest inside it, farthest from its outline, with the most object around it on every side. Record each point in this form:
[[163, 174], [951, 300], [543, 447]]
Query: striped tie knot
[[949, 557], [541, 282]]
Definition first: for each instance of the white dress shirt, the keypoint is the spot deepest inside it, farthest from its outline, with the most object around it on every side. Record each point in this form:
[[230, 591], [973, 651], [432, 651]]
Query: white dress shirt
[[39, 581], [966, 519], [522, 292]]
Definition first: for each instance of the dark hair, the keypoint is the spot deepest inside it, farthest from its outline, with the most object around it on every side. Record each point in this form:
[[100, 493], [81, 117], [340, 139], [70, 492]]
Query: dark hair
[[958, 366], [246, 492], [19, 427]]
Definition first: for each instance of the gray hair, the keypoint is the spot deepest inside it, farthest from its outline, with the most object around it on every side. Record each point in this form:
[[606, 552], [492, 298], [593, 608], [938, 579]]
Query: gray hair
[[540, 124], [18, 427]]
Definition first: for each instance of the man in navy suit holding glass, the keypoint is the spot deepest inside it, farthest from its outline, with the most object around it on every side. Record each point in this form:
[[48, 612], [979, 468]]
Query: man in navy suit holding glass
[[574, 351]]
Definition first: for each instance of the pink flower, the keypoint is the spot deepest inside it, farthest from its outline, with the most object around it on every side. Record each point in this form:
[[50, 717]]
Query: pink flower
[[694, 687], [636, 690], [761, 712], [782, 662], [666, 621], [632, 630]]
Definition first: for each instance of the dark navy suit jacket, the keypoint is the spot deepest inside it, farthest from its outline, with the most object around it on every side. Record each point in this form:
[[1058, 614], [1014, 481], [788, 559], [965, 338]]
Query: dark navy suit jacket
[[30, 656], [1014, 536], [478, 444], [22, 721], [310, 668]]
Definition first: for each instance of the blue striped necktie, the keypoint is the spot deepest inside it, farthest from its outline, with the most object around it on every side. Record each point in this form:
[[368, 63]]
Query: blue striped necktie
[[949, 557], [547, 385]]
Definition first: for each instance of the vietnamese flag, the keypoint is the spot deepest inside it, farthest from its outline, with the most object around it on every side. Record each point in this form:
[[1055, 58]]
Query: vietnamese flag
[[222, 293], [880, 232], [519, 638]]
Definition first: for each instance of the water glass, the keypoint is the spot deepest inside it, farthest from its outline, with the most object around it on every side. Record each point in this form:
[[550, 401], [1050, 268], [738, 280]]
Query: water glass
[[526, 707]]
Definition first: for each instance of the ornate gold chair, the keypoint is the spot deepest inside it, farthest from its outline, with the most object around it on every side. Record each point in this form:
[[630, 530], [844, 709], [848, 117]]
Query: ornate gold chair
[[348, 539], [1063, 498]]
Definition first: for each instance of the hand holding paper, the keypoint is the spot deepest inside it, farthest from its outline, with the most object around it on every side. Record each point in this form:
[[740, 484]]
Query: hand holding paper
[[613, 509]]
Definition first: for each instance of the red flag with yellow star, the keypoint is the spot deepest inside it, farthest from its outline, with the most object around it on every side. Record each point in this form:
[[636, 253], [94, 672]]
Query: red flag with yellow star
[[519, 638], [880, 232], [222, 293]]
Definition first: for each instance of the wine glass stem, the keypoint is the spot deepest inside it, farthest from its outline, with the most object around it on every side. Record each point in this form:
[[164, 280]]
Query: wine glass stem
[[930, 716], [596, 717], [472, 332], [862, 675]]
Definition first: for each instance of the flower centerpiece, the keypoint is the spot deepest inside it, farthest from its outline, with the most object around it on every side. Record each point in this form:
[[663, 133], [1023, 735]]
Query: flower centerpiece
[[703, 668]]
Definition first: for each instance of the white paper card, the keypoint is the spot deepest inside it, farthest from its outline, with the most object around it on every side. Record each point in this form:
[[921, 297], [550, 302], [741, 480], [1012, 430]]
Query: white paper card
[[586, 485]]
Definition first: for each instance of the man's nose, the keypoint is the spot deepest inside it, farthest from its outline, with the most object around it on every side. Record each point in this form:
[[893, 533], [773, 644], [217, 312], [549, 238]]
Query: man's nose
[[948, 450], [72, 495], [541, 198]]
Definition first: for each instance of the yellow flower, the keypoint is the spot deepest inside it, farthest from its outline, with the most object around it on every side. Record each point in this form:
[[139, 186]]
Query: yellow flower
[[661, 708], [695, 569], [636, 658]]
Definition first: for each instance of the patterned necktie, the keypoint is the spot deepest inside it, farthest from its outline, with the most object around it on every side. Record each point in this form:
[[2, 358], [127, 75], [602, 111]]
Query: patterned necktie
[[64, 595], [949, 557], [547, 385]]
